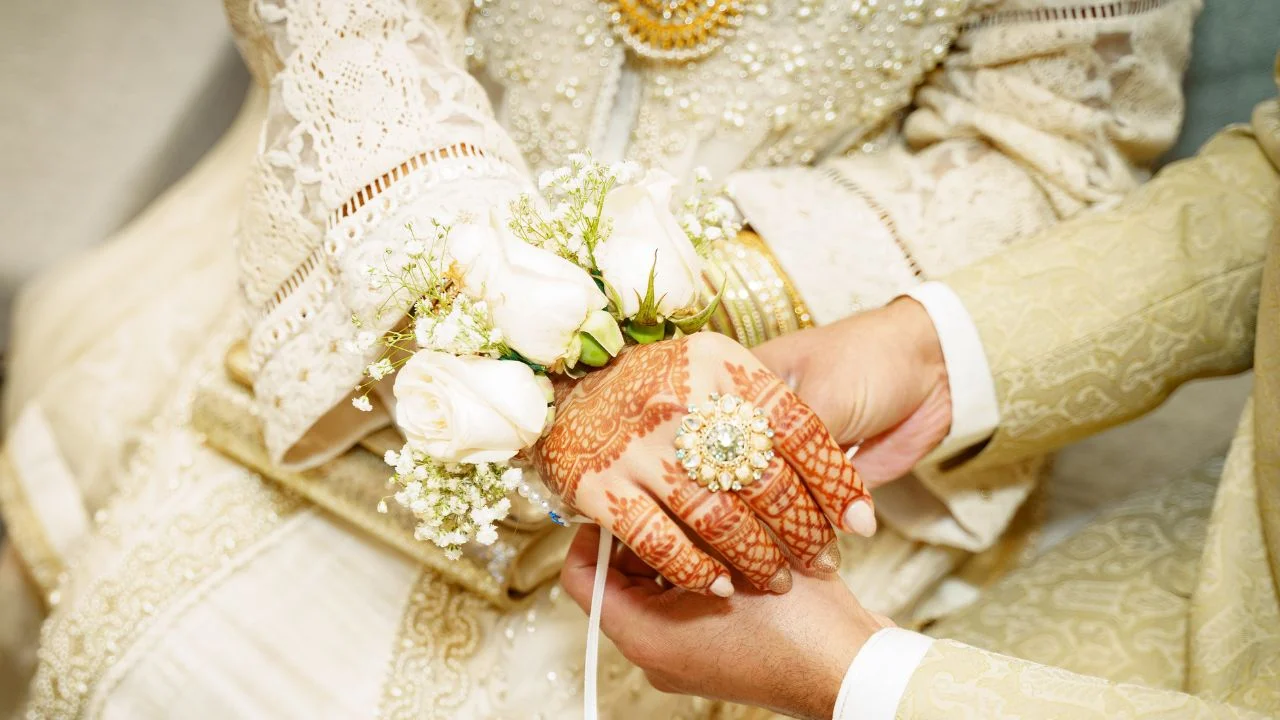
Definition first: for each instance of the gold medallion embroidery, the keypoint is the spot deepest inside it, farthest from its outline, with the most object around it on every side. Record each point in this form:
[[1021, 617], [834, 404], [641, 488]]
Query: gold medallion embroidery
[[674, 29]]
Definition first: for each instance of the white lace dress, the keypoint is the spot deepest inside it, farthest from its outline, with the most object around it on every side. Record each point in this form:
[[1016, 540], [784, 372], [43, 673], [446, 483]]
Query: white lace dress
[[180, 584]]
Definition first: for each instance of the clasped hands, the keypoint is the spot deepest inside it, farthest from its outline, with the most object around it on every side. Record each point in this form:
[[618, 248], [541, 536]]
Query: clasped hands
[[875, 378]]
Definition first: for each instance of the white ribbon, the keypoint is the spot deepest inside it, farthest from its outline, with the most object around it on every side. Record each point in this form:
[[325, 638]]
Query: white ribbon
[[590, 705]]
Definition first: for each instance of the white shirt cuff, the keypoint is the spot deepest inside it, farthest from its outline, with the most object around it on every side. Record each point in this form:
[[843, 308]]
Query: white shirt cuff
[[878, 676], [975, 410]]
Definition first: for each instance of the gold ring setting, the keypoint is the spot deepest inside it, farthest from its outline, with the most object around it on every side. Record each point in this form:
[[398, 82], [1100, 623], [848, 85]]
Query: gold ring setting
[[724, 444]]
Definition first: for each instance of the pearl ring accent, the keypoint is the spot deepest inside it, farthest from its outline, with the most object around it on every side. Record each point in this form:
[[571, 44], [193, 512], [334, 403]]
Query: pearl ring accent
[[724, 444]]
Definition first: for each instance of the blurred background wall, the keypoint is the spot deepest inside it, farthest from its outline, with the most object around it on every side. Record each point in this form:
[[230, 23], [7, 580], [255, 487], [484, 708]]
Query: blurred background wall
[[104, 105]]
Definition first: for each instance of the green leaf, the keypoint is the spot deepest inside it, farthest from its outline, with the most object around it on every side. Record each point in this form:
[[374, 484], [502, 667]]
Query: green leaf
[[694, 323], [513, 355], [648, 312]]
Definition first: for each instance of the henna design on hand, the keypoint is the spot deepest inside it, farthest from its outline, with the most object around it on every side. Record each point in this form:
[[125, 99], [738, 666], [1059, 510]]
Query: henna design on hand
[[603, 413], [729, 526], [781, 499], [804, 441], [654, 537]]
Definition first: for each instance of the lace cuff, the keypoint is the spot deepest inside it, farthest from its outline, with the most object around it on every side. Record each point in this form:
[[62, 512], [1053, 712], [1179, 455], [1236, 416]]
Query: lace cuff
[[304, 380]]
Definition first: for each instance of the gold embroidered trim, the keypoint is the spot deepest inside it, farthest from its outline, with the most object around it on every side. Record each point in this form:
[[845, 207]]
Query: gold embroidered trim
[[885, 218], [94, 636], [26, 531], [428, 669], [1103, 11]]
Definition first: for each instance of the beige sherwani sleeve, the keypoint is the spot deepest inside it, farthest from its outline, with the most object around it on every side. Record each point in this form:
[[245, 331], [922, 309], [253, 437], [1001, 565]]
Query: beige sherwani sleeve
[[1099, 320], [1092, 324]]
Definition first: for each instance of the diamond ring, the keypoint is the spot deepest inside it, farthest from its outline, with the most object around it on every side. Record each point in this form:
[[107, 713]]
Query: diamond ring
[[724, 444]]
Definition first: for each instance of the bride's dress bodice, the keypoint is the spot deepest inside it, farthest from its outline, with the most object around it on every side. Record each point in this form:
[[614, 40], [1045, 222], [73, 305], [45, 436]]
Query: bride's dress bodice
[[797, 80]]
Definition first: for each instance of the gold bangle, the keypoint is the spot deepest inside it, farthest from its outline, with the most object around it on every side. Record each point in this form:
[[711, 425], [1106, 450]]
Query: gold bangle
[[759, 301], [773, 269], [741, 305], [766, 290]]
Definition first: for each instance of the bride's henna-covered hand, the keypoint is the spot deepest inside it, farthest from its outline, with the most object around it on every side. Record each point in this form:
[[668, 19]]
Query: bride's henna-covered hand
[[610, 455]]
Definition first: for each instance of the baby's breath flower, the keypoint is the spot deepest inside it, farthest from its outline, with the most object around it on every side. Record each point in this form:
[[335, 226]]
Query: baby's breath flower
[[453, 503], [362, 343], [362, 403], [487, 535], [512, 477], [380, 369]]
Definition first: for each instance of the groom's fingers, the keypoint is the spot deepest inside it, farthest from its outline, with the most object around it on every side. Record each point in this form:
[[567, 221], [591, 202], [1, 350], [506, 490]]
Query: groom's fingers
[[639, 522], [726, 524]]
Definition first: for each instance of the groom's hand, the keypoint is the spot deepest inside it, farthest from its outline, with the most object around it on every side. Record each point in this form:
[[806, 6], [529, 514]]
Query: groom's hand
[[875, 378], [788, 653]]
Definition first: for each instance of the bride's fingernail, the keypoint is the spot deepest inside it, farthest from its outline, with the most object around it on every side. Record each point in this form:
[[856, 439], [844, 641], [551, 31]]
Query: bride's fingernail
[[828, 560], [860, 518], [780, 583], [722, 587]]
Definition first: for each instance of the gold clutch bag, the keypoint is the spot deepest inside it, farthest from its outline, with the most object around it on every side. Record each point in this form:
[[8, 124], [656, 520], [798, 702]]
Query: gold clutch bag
[[530, 548]]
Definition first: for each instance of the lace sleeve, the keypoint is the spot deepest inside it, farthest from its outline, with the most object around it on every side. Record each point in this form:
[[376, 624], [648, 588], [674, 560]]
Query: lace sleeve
[[373, 127]]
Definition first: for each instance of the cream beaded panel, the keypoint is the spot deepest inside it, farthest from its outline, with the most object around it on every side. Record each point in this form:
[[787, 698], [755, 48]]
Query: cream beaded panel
[[796, 79]]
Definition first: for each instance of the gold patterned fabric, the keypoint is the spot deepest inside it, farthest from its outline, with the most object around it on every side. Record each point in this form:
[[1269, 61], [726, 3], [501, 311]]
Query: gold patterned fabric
[[1110, 601], [1168, 606]]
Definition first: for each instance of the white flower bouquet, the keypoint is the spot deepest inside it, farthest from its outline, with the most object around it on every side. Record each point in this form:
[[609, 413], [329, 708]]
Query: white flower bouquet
[[498, 305]]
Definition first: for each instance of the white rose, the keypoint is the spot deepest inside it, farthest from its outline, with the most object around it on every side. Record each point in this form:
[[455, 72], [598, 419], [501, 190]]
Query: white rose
[[645, 228], [469, 409], [537, 299]]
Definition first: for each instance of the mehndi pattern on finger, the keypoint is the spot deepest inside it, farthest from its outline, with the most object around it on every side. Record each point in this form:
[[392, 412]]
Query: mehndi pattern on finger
[[726, 523], [642, 525]]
